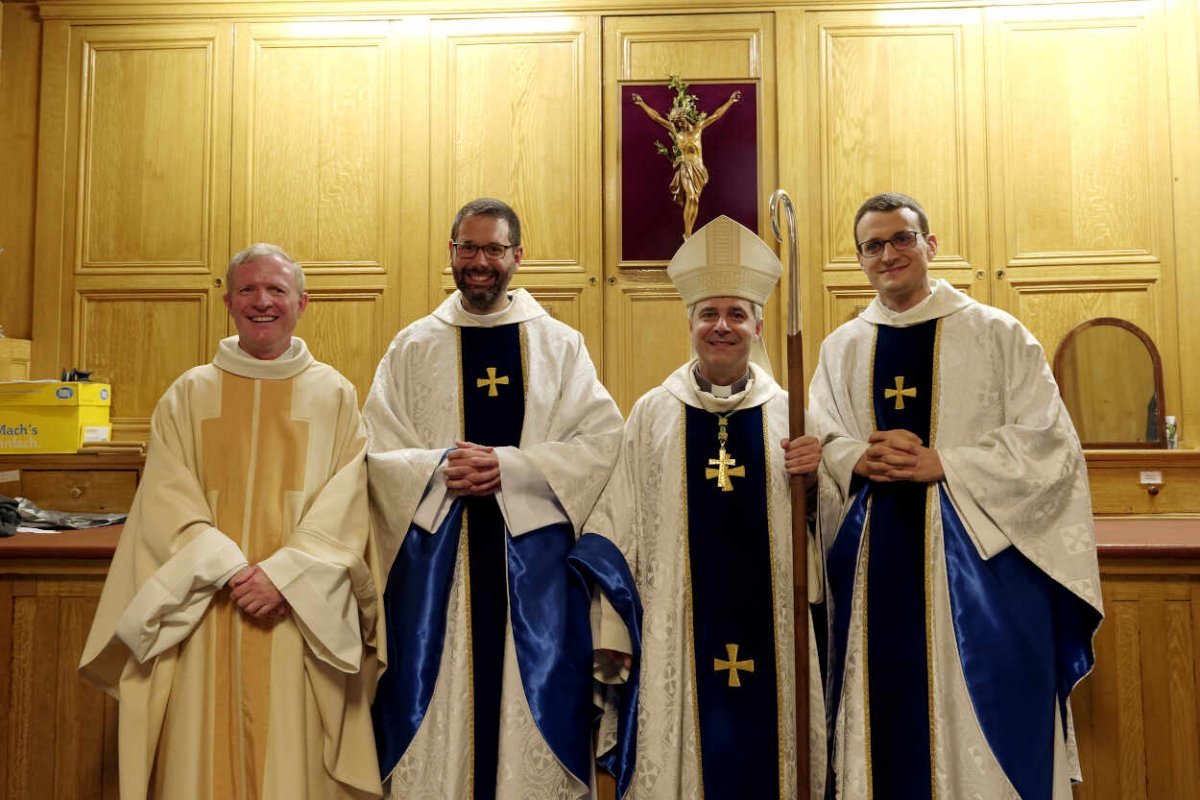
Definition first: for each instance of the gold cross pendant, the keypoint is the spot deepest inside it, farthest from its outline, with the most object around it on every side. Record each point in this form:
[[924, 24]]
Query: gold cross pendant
[[725, 470], [733, 665], [899, 393], [491, 382]]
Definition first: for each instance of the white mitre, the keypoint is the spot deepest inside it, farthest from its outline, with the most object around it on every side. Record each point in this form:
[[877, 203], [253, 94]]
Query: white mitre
[[726, 259]]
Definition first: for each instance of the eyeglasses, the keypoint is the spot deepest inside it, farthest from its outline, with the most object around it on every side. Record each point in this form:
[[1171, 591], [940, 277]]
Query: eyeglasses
[[901, 240], [490, 250]]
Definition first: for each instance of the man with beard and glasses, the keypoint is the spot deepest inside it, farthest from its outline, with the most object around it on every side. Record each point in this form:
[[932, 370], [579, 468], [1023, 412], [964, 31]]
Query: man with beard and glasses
[[961, 585], [490, 440]]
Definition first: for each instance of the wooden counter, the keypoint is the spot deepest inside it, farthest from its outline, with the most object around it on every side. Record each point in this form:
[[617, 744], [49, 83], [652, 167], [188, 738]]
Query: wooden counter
[[1136, 716]]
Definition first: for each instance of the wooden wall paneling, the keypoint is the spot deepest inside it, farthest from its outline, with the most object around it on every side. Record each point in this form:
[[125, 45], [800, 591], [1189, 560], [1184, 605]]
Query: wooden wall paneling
[[648, 339], [1051, 303], [316, 169], [415, 226], [55, 174], [31, 724], [20, 60], [799, 156], [140, 342], [1183, 727], [894, 99], [1182, 36], [132, 203], [80, 748], [1082, 209], [698, 47], [343, 328], [516, 115], [6, 686], [53, 726]]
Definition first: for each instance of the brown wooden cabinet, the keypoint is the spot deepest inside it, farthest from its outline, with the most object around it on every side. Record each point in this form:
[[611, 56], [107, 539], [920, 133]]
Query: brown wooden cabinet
[[96, 482]]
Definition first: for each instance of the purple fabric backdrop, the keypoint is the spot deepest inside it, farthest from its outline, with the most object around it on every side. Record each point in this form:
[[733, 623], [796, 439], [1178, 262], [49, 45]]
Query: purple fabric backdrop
[[651, 223]]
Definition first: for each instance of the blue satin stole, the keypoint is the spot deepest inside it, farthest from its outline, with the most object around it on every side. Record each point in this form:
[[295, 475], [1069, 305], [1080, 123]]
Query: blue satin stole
[[733, 607], [1023, 639], [598, 564]]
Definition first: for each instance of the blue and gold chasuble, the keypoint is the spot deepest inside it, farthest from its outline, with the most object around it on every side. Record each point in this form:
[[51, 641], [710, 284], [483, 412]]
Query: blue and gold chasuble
[[1023, 639], [527, 579], [732, 606]]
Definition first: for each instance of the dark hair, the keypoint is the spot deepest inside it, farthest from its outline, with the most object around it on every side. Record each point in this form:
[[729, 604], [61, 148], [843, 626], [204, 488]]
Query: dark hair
[[890, 201], [489, 207]]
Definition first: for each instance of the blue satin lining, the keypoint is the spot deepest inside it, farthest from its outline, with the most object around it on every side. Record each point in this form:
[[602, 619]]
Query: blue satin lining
[[549, 608], [415, 601], [596, 559], [1024, 641], [552, 632], [841, 566]]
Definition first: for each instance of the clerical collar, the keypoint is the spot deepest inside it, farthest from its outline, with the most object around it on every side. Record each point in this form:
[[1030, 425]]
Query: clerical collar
[[486, 319], [715, 389]]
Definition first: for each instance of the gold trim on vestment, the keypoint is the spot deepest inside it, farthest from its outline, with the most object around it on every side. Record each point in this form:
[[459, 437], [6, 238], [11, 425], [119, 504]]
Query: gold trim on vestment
[[864, 561], [780, 715], [931, 490], [687, 598], [524, 345], [464, 551]]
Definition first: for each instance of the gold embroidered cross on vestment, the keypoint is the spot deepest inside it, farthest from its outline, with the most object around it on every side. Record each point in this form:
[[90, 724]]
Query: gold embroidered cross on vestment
[[899, 392], [733, 665], [491, 382], [725, 468]]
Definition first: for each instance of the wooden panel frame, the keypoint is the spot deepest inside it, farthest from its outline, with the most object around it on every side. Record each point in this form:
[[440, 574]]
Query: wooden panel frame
[[102, 40], [252, 38]]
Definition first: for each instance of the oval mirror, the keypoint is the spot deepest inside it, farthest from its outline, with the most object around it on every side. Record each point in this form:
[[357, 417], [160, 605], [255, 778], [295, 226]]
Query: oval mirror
[[1110, 376]]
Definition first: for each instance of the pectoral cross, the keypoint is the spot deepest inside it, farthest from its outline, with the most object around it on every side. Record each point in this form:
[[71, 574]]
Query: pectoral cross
[[491, 382], [899, 392], [725, 468], [733, 665]]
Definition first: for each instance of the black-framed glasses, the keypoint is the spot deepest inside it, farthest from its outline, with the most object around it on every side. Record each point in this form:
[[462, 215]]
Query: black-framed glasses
[[470, 249], [901, 240]]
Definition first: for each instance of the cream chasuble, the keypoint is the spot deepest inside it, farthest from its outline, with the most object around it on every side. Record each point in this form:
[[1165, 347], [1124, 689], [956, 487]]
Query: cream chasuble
[[250, 462], [645, 511], [1012, 514], [568, 443]]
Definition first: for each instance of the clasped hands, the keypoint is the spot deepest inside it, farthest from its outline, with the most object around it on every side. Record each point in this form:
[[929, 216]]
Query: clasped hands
[[898, 455], [472, 469], [256, 596]]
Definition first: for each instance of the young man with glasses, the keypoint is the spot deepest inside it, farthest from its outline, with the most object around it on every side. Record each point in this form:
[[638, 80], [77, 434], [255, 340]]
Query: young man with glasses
[[961, 584], [490, 440]]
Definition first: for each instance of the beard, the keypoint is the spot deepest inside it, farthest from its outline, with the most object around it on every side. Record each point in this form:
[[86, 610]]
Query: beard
[[481, 299]]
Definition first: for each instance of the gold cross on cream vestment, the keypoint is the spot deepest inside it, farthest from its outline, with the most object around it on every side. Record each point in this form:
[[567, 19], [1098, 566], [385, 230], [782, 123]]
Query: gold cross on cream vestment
[[491, 381], [899, 392], [733, 665]]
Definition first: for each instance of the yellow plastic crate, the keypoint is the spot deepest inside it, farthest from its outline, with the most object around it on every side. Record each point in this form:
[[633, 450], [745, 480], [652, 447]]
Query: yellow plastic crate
[[52, 417]]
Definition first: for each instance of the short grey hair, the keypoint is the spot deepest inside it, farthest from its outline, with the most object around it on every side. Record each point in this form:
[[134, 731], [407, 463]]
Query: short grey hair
[[489, 207], [755, 307], [263, 250]]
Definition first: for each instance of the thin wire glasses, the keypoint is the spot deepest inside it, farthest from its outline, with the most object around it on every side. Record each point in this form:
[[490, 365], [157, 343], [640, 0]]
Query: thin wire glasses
[[493, 250], [901, 240]]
